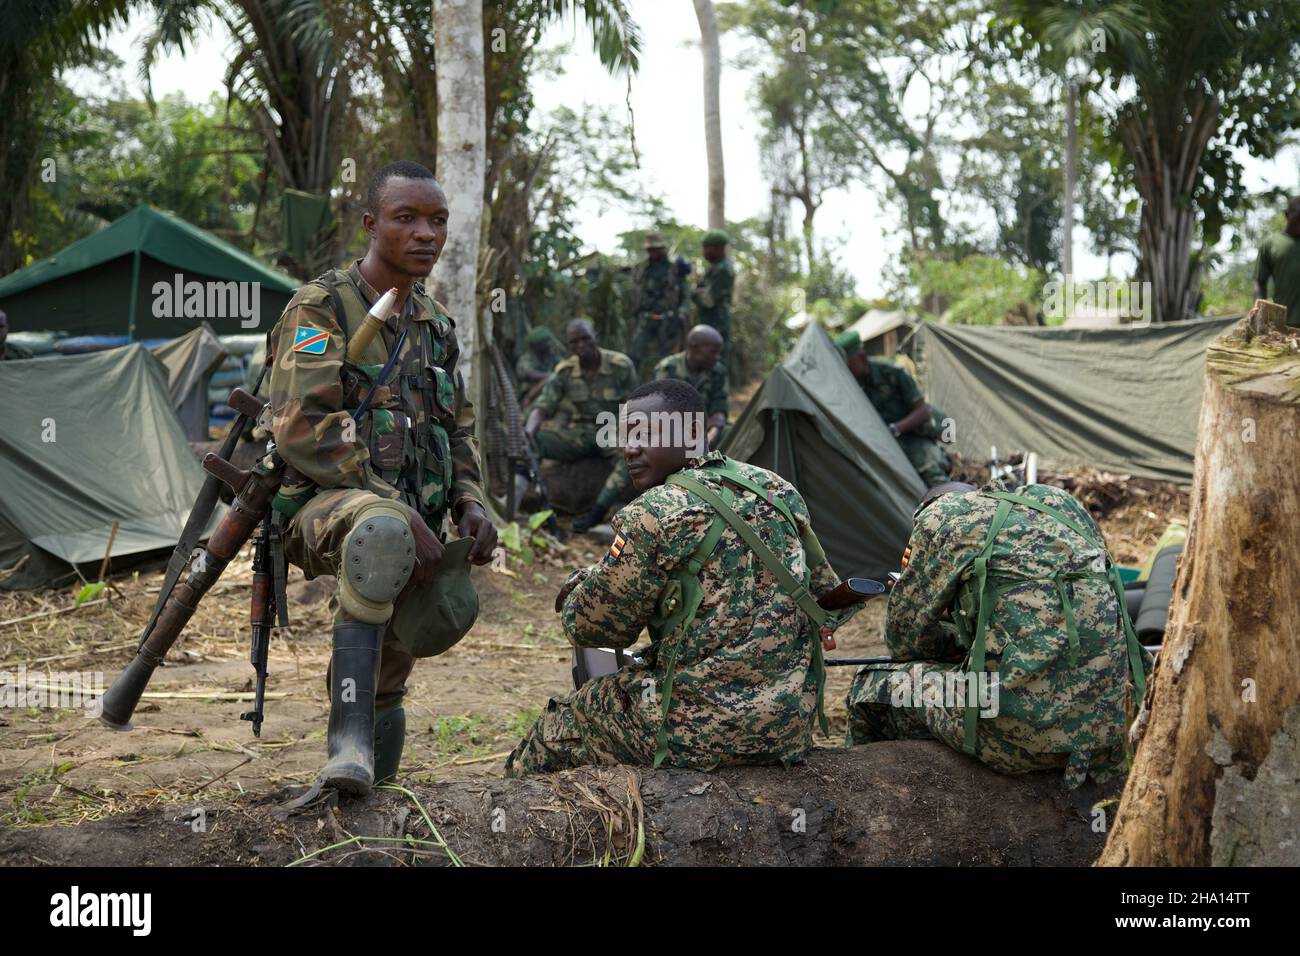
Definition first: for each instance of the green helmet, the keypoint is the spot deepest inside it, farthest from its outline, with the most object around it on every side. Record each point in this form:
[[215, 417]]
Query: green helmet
[[715, 237]]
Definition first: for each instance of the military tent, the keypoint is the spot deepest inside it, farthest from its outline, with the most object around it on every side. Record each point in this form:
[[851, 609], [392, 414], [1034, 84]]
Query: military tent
[[1126, 399], [190, 361], [87, 440], [811, 423], [123, 280]]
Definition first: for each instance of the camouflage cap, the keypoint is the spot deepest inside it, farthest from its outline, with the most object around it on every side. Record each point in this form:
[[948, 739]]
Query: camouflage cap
[[848, 342], [654, 239], [537, 334], [715, 237]]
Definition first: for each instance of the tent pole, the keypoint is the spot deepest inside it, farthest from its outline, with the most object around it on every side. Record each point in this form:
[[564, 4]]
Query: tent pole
[[135, 290]]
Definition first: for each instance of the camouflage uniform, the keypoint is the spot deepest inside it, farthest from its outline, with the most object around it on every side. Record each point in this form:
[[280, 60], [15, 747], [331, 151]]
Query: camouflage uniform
[[1055, 634], [712, 298], [741, 679], [416, 444], [893, 393], [587, 397], [660, 290], [530, 363], [711, 383]]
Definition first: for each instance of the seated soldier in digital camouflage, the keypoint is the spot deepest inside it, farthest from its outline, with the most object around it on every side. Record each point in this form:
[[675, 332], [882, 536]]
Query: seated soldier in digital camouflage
[[591, 383], [700, 365], [894, 395], [1018, 592], [734, 673]]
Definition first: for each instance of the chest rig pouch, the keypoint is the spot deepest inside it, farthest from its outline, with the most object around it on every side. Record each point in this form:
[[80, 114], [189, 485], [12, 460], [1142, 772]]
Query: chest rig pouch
[[681, 597]]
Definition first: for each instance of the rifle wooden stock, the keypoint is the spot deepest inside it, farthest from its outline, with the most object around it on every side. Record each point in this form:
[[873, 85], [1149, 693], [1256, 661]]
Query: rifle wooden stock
[[250, 505]]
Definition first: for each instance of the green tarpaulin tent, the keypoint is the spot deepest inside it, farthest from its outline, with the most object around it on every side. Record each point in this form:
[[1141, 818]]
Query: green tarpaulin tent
[[86, 440], [89, 287], [190, 362], [1125, 399], [811, 423]]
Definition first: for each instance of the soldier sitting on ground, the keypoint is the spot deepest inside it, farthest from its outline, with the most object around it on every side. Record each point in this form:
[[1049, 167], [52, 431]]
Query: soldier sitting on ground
[[894, 395], [734, 673], [1018, 593], [534, 366], [593, 382], [700, 366]]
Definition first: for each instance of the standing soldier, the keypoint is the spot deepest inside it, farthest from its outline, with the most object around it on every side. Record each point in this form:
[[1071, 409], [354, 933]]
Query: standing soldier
[[1016, 595], [718, 560], [699, 365], [593, 382], [658, 307], [712, 294], [1279, 261], [369, 500]]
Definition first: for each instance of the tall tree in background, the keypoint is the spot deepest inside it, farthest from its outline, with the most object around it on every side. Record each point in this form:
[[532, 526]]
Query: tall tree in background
[[713, 112], [1185, 84], [461, 168]]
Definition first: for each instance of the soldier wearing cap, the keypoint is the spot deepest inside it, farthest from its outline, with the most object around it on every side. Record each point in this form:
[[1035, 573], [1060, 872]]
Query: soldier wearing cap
[[658, 306], [534, 366], [893, 393], [712, 294]]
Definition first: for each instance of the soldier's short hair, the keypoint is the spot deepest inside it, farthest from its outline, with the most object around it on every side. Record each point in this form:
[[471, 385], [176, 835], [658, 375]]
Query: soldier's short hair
[[402, 169], [676, 395]]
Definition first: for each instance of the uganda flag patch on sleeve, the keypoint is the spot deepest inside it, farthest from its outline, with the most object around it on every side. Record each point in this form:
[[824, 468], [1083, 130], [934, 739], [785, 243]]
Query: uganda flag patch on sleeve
[[309, 340], [907, 556], [618, 547]]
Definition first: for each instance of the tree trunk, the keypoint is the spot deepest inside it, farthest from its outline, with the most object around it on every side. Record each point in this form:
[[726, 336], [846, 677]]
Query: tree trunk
[[461, 165], [907, 802], [713, 112], [1067, 200], [1214, 770], [1166, 158]]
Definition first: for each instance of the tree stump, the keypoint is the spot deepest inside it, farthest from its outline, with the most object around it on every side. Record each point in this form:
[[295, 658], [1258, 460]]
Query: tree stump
[[1230, 668]]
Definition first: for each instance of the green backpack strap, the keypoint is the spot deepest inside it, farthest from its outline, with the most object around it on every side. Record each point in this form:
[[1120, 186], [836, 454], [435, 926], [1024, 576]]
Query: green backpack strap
[[688, 597], [797, 590], [986, 602]]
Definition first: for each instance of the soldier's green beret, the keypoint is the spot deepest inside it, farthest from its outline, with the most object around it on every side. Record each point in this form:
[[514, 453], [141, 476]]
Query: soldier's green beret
[[537, 334], [715, 237], [655, 240], [849, 342]]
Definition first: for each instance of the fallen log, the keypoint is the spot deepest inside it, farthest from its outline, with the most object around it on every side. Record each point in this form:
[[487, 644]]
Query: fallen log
[[1216, 775], [905, 802]]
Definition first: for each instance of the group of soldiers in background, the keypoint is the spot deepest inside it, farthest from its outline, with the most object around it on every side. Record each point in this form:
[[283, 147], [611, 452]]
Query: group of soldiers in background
[[569, 395]]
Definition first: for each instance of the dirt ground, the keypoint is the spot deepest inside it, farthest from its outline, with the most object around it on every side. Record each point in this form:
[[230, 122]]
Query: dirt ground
[[466, 709]]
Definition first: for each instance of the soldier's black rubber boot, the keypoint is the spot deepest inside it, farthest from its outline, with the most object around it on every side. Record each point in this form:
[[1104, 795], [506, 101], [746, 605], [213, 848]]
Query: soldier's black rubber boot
[[591, 518], [354, 672], [390, 736]]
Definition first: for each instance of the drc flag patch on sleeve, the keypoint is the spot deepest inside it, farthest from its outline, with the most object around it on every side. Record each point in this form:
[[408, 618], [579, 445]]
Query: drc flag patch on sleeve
[[309, 340], [619, 545]]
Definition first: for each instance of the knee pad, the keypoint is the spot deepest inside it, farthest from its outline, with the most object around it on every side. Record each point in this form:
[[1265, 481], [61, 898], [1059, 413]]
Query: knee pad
[[378, 559]]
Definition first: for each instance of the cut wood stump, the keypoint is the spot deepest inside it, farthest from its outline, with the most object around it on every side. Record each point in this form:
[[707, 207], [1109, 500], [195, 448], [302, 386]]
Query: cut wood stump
[[1215, 773], [909, 802]]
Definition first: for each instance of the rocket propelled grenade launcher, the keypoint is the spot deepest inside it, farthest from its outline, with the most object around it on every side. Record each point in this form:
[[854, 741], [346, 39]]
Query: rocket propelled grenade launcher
[[375, 319]]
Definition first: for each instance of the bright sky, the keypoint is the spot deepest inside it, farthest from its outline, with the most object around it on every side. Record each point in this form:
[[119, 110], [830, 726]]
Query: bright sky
[[668, 108]]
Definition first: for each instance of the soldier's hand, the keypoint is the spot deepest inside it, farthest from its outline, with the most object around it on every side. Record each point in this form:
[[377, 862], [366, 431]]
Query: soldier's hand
[[571, 582], [428, 550], [474, 524]]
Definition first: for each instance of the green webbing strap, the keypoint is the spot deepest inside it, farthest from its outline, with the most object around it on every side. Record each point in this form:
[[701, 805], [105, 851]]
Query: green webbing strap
[[798, 591], [976, 665], [730, 473], [1050, 512], [1071, 625], [692, 597]]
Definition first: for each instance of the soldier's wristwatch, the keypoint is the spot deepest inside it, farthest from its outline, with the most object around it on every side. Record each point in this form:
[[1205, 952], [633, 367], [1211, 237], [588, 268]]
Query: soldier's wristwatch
[[893, 429]]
